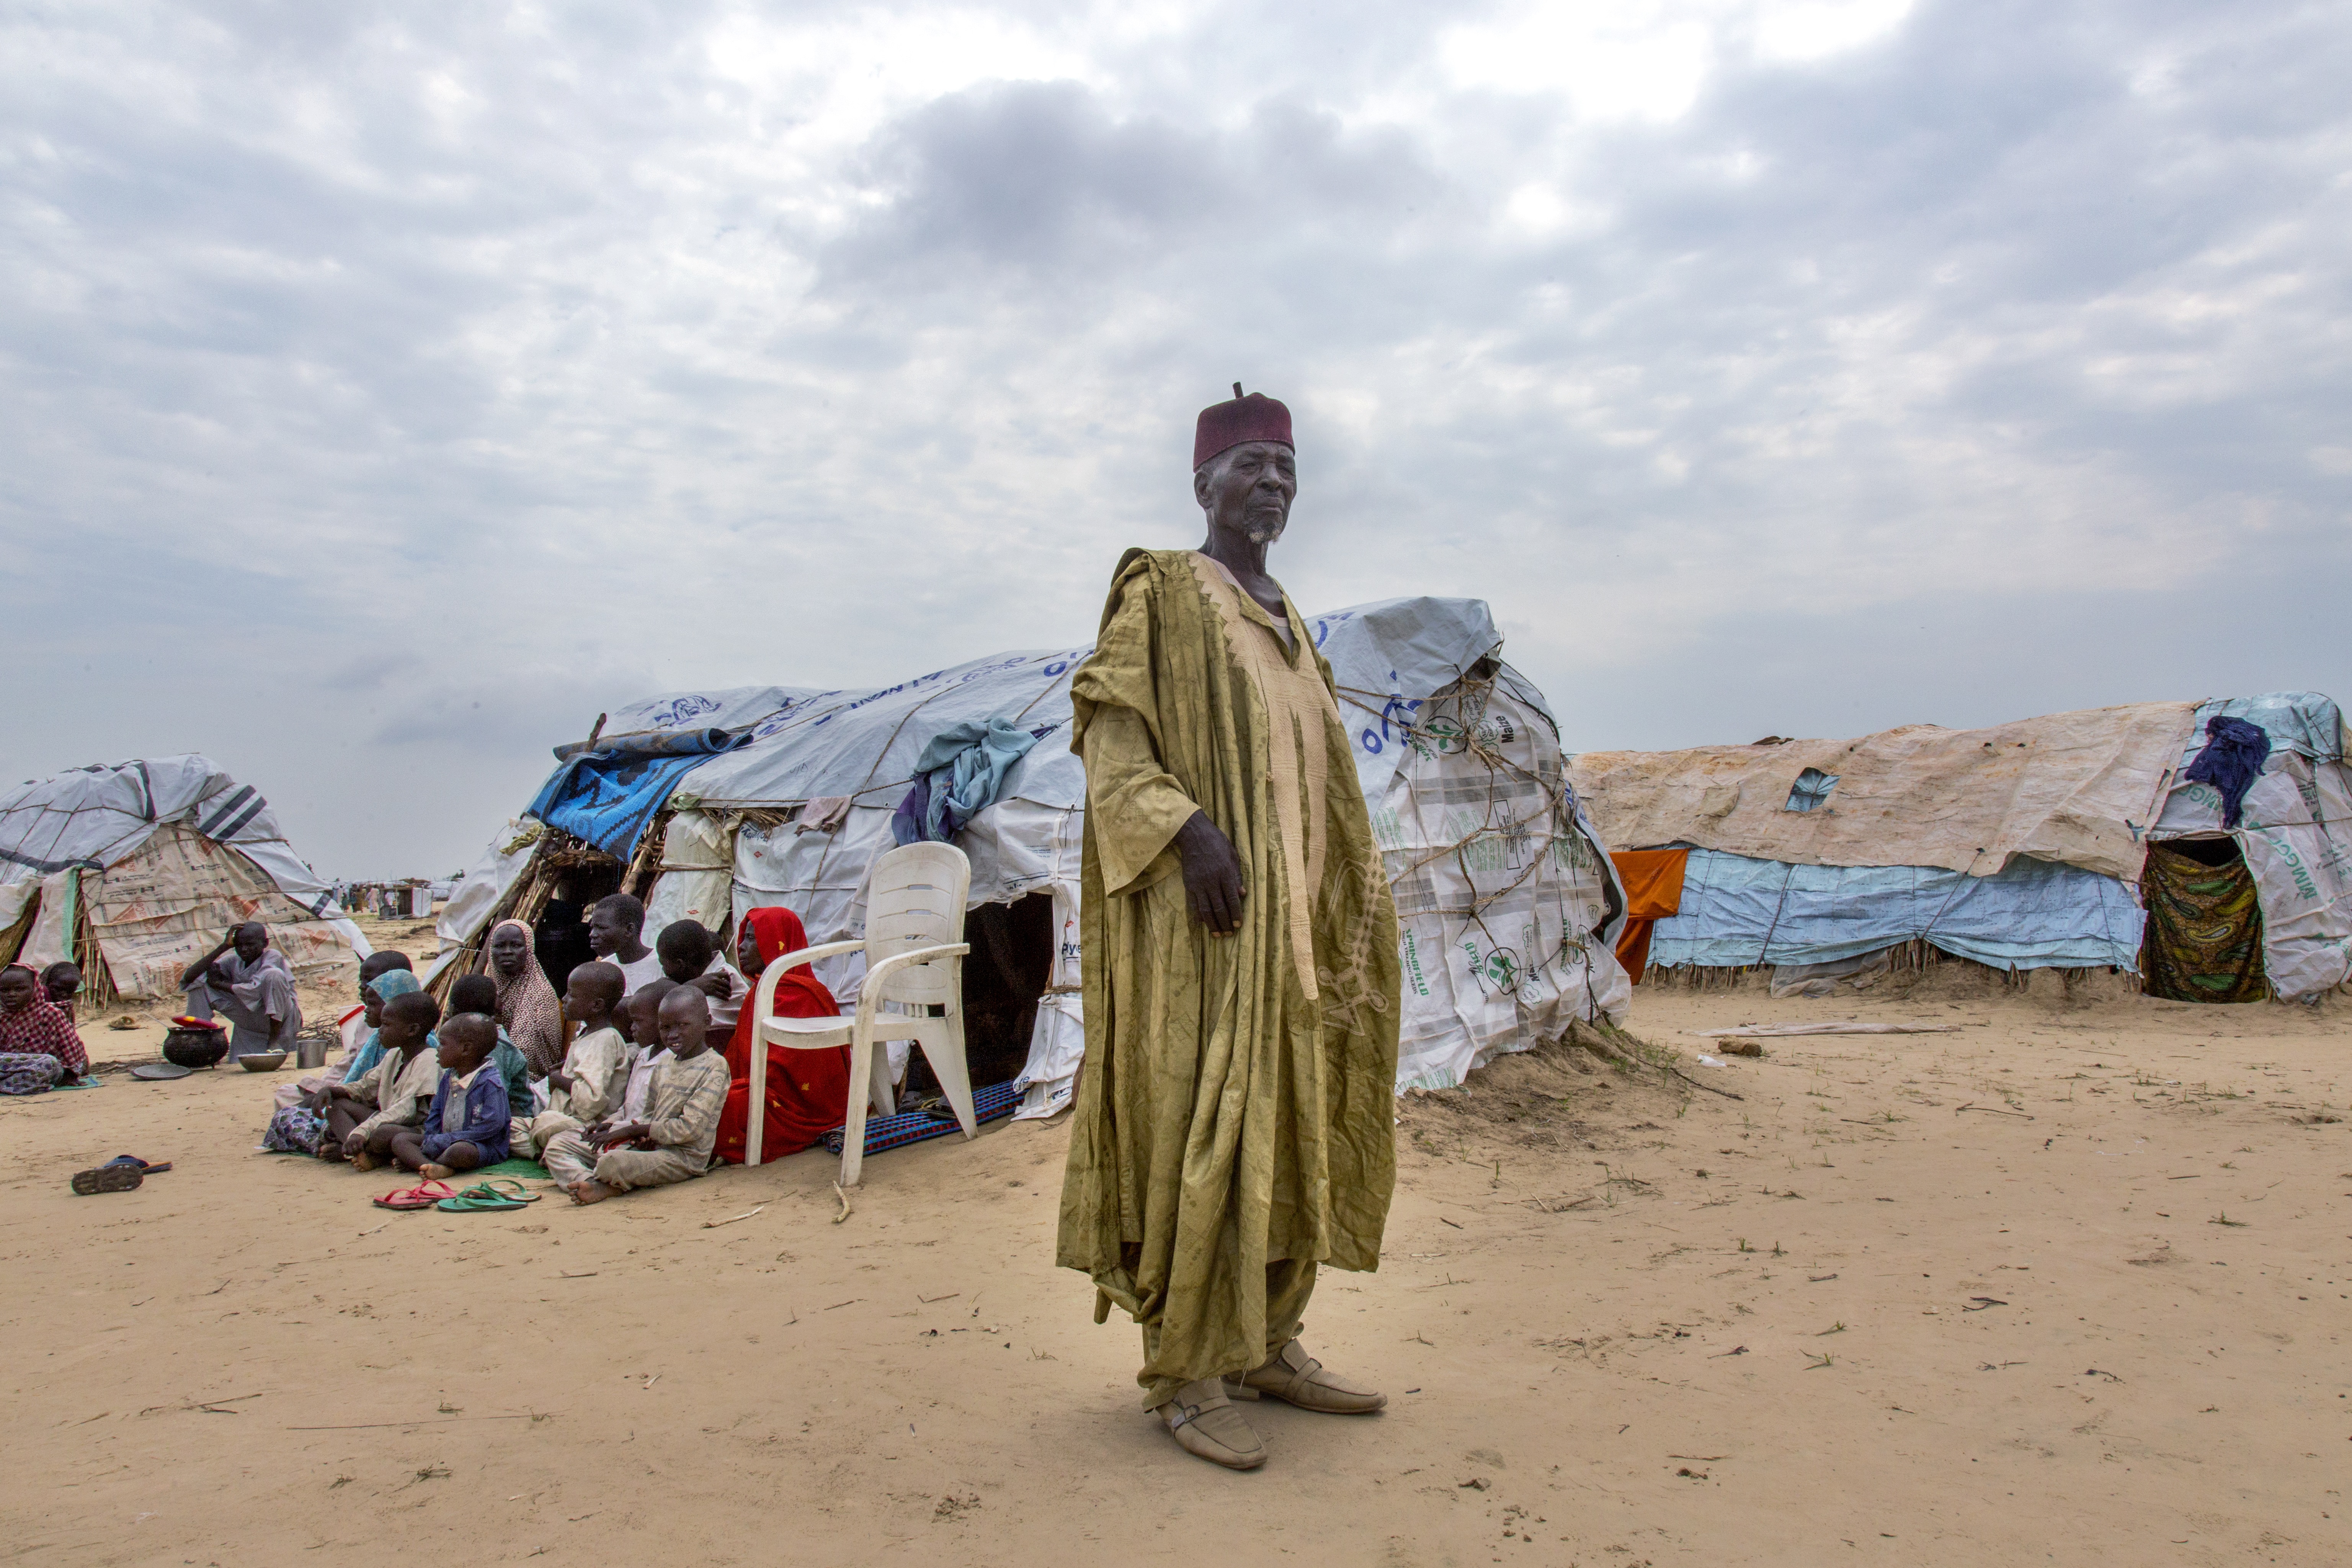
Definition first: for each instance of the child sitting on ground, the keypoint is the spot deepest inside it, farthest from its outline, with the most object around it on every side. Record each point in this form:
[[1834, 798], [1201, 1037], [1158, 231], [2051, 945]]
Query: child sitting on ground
[[61, 982], [356, 1027], [623, 1023], [643, 1010], [480, 993], [588, 1087], [403, 1086], [672, 1141], [466, 1127], [689, 955]]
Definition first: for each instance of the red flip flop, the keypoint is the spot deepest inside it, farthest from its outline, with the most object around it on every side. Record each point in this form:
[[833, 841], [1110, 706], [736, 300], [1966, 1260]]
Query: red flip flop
[[423, 1196]]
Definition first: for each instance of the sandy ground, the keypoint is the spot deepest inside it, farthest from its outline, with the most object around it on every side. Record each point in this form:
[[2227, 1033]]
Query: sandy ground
[[2066, 1285]]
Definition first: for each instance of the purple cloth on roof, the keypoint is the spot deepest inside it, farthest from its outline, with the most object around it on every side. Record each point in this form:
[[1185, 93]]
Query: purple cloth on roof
[[906, 822], [2231, 760]]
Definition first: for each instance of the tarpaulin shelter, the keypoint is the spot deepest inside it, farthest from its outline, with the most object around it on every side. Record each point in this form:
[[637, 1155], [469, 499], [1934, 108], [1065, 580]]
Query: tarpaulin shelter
[[1506, 902], [2023, 846], [133, 870]]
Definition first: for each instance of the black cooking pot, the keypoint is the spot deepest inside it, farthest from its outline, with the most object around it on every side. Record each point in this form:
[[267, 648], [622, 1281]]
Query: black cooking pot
[[195, 1048]]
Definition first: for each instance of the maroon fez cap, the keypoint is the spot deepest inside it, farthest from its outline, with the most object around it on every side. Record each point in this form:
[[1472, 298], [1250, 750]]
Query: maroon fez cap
[[1225, 426]]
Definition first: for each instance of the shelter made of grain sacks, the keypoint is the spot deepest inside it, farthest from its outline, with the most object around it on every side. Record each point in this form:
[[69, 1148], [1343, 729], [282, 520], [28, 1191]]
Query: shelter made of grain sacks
[[2199, 847], [133, 869], [707, 804]]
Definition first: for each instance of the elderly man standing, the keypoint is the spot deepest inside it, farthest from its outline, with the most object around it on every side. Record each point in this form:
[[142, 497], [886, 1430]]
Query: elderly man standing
[[1235, 1114], [249, 983]]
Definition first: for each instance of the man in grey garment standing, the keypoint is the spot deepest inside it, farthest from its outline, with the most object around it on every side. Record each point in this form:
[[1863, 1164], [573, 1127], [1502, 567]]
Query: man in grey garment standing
[[249, 983]]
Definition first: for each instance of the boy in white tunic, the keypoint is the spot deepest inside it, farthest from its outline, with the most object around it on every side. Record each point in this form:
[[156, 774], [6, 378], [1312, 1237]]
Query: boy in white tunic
[[406, 1080], [587, 1088], [674, 1139], [647, 1051]]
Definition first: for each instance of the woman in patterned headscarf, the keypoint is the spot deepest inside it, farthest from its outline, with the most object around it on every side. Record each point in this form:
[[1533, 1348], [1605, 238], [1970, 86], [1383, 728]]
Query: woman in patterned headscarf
[[527, 1008]]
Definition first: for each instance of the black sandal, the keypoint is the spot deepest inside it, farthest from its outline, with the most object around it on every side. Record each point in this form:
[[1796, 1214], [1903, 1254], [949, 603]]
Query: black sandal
[[108, 1179]]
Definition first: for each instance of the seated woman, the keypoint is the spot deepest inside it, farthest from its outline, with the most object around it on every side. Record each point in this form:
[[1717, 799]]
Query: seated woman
[[807, 1092], [524, 1003], [39, 1048]]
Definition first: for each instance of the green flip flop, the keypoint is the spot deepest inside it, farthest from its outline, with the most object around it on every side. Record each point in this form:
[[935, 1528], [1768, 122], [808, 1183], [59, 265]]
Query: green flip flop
[[504, 1187], [489, 1197]]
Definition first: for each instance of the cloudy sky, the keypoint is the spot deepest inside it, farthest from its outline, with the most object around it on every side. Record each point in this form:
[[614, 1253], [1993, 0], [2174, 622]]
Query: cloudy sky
[[384, 389]]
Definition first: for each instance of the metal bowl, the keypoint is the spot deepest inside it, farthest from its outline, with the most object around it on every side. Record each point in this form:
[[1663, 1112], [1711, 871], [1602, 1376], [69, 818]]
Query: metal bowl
[[262, 1061]]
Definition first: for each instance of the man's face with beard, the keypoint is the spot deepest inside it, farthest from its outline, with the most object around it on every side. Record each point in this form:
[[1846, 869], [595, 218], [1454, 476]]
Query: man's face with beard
[[1247, 490]]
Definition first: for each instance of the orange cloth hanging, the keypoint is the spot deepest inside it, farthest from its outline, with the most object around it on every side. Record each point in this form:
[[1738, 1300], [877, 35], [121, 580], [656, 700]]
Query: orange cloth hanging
[[1653, 889]]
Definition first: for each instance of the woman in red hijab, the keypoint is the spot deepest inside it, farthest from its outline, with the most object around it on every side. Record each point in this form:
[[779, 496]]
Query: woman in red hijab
[[808, 1091]]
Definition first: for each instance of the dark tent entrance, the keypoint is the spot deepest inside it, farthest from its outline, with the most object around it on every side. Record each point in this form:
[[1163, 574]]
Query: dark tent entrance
[[2203, 941], [1010, 965]]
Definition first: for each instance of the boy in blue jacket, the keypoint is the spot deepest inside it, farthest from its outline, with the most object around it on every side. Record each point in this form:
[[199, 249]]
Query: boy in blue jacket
[[467, 1127]]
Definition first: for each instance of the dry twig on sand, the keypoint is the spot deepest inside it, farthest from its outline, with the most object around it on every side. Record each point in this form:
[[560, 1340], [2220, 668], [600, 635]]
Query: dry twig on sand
[[1595, 1037], [429, 1421]]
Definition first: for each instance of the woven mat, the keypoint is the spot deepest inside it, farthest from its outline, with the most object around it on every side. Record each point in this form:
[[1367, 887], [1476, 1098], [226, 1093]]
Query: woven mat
[[988, 1104]]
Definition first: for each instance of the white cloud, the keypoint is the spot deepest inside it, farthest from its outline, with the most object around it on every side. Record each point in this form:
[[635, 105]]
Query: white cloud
[[1815, 28], [1639, 60], [1648, 59]]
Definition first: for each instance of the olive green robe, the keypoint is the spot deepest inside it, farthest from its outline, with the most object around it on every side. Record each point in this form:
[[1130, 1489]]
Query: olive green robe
[[1237, 1104]]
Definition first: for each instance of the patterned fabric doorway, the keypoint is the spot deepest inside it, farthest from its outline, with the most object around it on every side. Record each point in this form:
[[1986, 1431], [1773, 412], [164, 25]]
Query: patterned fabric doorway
[[2204, 940]]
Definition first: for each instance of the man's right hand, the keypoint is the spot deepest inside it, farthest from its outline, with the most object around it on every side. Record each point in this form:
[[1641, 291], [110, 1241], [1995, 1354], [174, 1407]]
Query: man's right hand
[[1212, 875]]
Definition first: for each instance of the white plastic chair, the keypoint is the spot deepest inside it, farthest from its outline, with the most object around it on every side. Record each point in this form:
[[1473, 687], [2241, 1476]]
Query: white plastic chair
[[914, 913]]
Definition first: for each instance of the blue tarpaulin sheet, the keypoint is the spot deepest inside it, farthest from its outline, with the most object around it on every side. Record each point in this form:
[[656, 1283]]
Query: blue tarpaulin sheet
[[2032, 914], [606, 796]]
